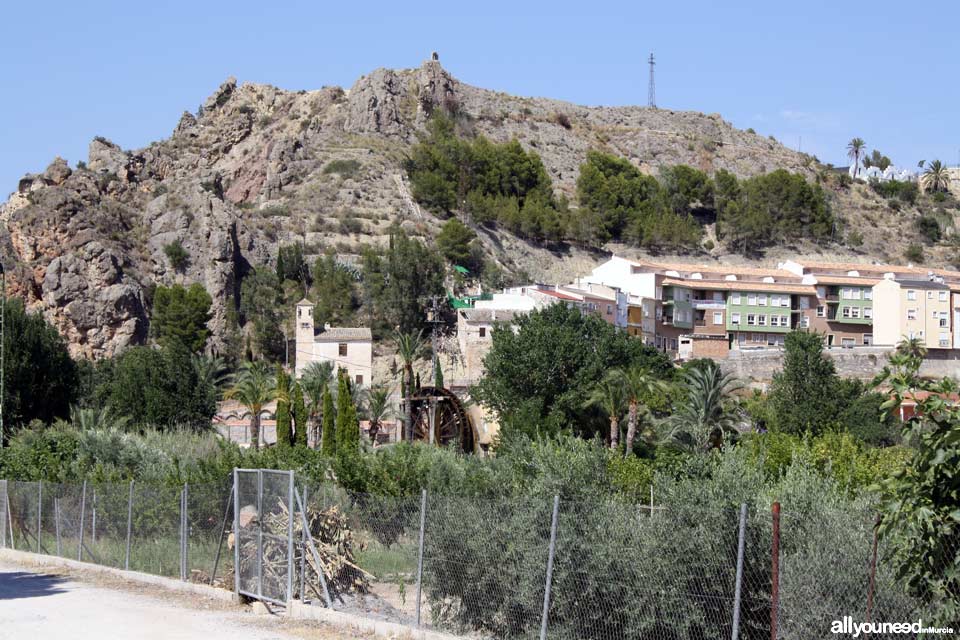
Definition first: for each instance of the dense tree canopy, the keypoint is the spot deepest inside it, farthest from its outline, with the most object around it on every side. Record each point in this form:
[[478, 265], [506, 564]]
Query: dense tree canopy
[[40, 378], [545, 371], [180, 316], [158, 388]]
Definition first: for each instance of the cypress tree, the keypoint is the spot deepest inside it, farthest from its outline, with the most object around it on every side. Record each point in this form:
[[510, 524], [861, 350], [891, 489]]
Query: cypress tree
[[284, 428], [328, 444], [348, 428], [299, 416]]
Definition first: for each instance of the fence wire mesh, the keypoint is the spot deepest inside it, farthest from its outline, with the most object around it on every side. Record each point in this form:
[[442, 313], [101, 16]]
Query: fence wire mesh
[[619, 571]]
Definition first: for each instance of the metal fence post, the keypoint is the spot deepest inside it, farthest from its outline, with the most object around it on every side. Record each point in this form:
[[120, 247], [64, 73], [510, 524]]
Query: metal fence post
[[56, 523], [39, 512], [303, 553], [13, 542], [871, 584], [236, 532], [184, 501], [83, 507], [775, 573], [550, 557], [3, 515], [290, 552], [93, 519], [423, 522], [741, 542], [126, 557], [223, 531]]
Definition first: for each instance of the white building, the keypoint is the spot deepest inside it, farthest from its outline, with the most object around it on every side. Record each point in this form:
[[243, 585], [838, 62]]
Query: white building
[[349, 348]]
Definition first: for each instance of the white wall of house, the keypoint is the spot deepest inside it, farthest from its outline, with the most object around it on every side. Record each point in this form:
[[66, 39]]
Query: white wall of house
[[344, 352], [887, 322]]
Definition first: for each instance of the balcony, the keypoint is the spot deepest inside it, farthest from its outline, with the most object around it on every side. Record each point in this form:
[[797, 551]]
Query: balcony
[[703, 303]]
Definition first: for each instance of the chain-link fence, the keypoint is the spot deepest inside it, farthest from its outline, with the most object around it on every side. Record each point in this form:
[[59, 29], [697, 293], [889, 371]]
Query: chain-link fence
[[497, 568]]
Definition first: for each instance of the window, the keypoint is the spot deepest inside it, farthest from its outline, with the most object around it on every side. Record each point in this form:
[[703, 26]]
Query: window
[[944, 320], [762, 299], [911, 314], [855, 312], [299, 312], [846, 312], [751, 319], [734, 318], [609, 309], [911, 294], [821, 292], [785, 301], [943, 296], [867, 339], [483, 332], [784, 321], [343, 348], [762, 320], [868, 294], [821, 311], [868, 312], [846, 294], [751, 299], [848, 342], [304, 325], [734, 298], [805, 322], [774, 321], [944, 339], [717, 317], [359, 379], [929, 295], [774, 340]]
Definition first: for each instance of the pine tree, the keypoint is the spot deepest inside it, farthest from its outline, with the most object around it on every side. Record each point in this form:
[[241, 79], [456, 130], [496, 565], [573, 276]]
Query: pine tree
[[284, 428], [328, 442], [299, 416], [348, 428]]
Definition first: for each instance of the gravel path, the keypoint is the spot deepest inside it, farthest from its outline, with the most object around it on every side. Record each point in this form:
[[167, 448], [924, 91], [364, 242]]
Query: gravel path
[[87, 606]]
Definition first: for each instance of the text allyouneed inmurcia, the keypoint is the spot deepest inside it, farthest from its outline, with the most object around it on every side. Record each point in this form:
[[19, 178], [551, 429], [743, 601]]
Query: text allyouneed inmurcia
[[847, 626]]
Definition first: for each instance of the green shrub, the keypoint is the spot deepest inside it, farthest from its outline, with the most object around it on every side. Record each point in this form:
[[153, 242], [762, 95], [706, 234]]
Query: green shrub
[[928, 227], [344, 168], [178, 256], [914, 253]]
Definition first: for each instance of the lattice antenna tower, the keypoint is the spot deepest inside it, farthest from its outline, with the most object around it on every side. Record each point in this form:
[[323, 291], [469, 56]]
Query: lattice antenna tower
[[652, 88]]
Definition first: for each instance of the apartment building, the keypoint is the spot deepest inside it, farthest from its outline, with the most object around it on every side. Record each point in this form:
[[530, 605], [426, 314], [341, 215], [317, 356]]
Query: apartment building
[[918, 309], [691, 310]]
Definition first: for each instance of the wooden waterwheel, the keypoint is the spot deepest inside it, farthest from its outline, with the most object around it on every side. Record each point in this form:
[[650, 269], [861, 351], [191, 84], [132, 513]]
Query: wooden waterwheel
[[444, 411]]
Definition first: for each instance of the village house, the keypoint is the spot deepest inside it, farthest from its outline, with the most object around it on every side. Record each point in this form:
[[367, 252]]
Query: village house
[[349, 348]]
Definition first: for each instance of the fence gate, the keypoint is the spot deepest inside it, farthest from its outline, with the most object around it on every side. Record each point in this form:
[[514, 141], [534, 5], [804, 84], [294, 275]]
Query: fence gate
[[263, 549]]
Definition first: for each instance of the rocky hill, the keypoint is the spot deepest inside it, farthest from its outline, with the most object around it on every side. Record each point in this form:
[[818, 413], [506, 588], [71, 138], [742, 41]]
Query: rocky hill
[[257, 166]]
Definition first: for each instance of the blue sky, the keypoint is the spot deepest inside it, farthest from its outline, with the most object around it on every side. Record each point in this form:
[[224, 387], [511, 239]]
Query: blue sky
[[820, 72]]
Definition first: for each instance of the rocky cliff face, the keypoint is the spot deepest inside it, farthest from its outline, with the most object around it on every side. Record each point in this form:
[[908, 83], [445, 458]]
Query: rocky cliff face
[[253, 168]]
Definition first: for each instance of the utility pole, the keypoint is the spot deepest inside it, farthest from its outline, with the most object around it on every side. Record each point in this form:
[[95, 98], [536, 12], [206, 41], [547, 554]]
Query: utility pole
[[651, 88]]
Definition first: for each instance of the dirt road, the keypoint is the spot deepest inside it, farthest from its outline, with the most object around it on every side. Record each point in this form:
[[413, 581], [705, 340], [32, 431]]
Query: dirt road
[[83, 606]]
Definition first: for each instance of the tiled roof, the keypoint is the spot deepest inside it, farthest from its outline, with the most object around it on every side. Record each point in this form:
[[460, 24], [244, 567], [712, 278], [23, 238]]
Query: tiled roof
[[725, 269], [556, 294], [737, 285], [343, 333], [828, 279], [883, 268]]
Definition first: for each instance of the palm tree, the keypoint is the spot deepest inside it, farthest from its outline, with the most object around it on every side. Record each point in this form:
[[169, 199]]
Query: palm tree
[[316, 377], [378, 408], [253, 387], [211, 371], [638, 383], [87, 419], [609, 396], [409, 347], [936, 177], [855, 149], [710, 410]]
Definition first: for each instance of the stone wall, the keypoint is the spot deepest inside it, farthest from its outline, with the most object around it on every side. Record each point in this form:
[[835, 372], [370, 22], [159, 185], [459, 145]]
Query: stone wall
[[758, 367]]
